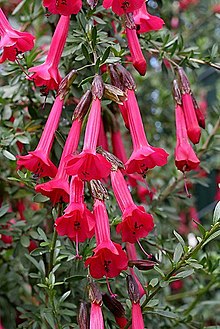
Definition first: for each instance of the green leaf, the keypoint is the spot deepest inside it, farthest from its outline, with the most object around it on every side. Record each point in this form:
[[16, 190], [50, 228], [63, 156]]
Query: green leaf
[[3, 210], [94, 36], [34, 262], [166, 314], [49, 318], [177, 253], [42, 234], [40, 198], [9, 155], [153, 282], [64, 296], [179, 238], [85, 53], [25, 241], [105, 55], [216, 214], [183, 274], [212, 237], [159, 271]]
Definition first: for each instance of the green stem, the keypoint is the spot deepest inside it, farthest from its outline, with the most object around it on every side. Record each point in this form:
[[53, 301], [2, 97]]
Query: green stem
[[52, 249], [181, 263]]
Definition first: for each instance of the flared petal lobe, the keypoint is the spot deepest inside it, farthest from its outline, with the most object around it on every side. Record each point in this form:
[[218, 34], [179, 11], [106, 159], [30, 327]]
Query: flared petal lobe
[[107, 263], [38, 163], [63, 7], [12, 41], [146, 158], [146, 22], [77, 221], [57, 190], [120, 7], [88, 166], [136, 224]]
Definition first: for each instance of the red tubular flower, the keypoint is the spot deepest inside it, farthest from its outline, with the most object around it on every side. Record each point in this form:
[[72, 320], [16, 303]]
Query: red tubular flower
[[47, 74], [88, 164], [121, 7], [63, 7], [109, 259], [96, 317], [57, 189], [146, 22], [102, 139], [185, 157], [77, 222], [12, 41], [38, 161], [136, 223], [192, 125], [138, 60], [137, 317], [144, 156]]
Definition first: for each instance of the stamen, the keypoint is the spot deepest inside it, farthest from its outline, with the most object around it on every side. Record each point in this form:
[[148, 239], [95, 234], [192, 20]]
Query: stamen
[[185, 185], [109, 289], [142, 249]]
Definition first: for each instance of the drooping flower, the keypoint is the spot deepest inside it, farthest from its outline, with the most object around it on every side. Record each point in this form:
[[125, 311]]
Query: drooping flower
[[137, 318], [57, 189], [120, 7], [144, 155], [47, 74], [13, 42], [109, 259], [88, 164], [136, 223], [63, 7], [137, 57], [77, 222], [96, 317], [185, 157], [38, 161], [192, 125], [146, 22]]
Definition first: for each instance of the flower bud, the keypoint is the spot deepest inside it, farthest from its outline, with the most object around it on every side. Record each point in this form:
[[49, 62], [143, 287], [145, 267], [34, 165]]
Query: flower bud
[[116, 163], [94, 293], [83, 106], [115, 79], [97, 87], [65, 84], [126, 78], [143, 265], [183, 81], [113, 305], [133, 290], [83, 316]]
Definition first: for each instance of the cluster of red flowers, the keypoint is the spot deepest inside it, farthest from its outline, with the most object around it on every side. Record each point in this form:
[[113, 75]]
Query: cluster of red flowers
[[94, 164]]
